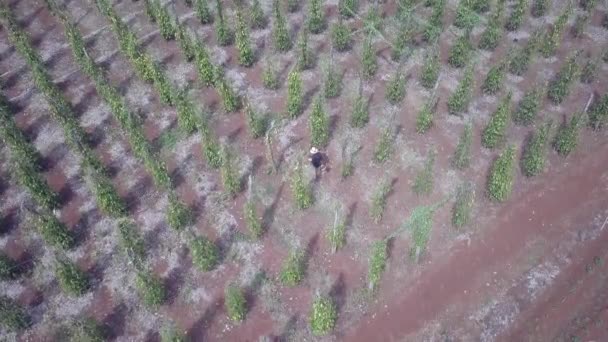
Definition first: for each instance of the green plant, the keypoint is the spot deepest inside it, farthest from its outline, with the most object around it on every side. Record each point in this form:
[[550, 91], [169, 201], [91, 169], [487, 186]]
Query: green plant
[[205, 254], [430, 70], [294, 94], [348, 8], [151, 289], [185, 111], [423, 183], [500, 179], [420, 223], [302, 191], [434, 26], [131, 242], [280, 34], [332, 85], [482, 6], [235, 303], [463, 206], [71, 279], [178, 214], [9, 269], [534, 155], [559, 87], [230, 100], [466, 18], [185, 41], [171, 334], [336, 234], [403, 42], [211, 147], [517, 15], [229, 173], [369, 65], [319, 124], [203, 12], [54, 232], [460, 53], [293, 269], [204, 67], [520, 58], [166, 24], [462, 155], [579, 25], [491, 36], [253, 221], [28, 176], [494, 133], [316, 16], [553, 37], [305, 56], [424, 120], [540, 7], [257, 18], [589, 71], [494, 79], [341, 36], [12, 316], [372, 21], [86, 330], [293, 6], [24, 151], [459, 100], [377, 263], [270, 77], [360, 114], [587, 5], [567, 135], [223, 33], [598, 113], [395, 89], [384, 148], [243, 43], [378, 200], [323, 316], [257, 123], [528, 107]]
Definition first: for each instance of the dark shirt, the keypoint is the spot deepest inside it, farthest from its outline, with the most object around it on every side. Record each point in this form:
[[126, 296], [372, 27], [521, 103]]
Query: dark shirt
[[317, 160]]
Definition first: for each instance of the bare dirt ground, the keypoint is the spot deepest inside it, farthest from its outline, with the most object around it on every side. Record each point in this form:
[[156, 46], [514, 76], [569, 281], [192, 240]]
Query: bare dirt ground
[[532, 269]]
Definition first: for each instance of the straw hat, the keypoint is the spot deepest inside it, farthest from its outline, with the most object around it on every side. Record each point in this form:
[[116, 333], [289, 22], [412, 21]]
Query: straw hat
[[314, 150]]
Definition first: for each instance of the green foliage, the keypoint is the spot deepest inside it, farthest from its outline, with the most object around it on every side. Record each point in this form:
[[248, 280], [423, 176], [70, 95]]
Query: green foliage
[[459, 100], [517, 15], [378, 200], [131, 242], [319, 124], [460, 53], [528, 107], [54, 232], [579, 25], [482, 6], [424, 120], [280, 33], [598, 113], [534, 155], [186, 43], [369, 65], [332, 85], [494, 79], [108, 200], [235, 303], [230, 100], [223, 33], [293, 6], [12, 316], [316, 16], [204, 66], [205, 254], [305, 56], [434, 26], [384, 148], [8, 268], [395, 89], [540, 7], [553, 37], [430, 69], [336, 235], [28, 176], [423, 183], [171, 334], [567, 135], [252, 220], [151, 289], [500, 179], [520, 59], [589, 71], [86, 330], [559, 87], [377, 263], [185, 112], [71, 279], [257, 123], [420, 223], [403, 42], [372, 20], [270, 77], [462, 155], [360, 114], [211, 147], [302, 192], [463, 206], [466, 18], [491, 36], [587, 5], [24, 152], [293, 269], [257, 18], [323, 316], [229, 173], [341, 36], [348, 8], [294, 94], [494, 133], [243, 43], [165, 23], [203, 12], [178, 214]]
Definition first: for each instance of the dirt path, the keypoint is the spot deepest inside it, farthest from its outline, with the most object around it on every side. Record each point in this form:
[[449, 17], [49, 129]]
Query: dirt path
[[570, 193]]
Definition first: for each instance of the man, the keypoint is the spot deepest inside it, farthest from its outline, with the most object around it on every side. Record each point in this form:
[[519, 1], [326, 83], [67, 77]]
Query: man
[[317, 159]]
